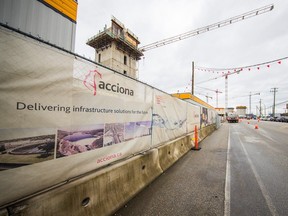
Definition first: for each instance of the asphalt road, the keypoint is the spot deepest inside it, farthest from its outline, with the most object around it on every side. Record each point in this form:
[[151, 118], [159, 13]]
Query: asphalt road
[[240, 170], [258, 168]]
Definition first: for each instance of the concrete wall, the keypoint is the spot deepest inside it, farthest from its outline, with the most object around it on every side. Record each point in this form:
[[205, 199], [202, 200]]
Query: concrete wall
[[104, 191], [114, 58]]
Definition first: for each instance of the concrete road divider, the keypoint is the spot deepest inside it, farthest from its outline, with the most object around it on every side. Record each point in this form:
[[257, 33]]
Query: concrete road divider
[[204, 132], [172, 151], [100, 193], [104, 191]]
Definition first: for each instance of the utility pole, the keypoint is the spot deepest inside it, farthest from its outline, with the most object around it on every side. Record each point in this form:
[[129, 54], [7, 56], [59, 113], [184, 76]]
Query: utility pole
[[192, 80], [274, 90]]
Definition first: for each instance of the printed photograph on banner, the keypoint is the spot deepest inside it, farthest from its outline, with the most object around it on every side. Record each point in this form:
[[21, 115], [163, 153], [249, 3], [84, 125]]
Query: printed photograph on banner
[[204, 117], [24, 147], [129, 131], [159, 121], [78, 140], [212, 117], [143, 128], [113, 134], [193, 117]]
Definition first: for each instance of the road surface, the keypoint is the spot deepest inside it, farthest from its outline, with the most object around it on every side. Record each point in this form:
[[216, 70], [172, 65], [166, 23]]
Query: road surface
[[240, 170]]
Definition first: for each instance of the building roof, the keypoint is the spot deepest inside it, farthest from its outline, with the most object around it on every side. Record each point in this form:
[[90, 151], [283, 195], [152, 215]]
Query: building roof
[[187, 96]]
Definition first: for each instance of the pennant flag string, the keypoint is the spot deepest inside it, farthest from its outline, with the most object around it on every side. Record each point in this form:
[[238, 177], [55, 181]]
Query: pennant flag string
[[249, 67]]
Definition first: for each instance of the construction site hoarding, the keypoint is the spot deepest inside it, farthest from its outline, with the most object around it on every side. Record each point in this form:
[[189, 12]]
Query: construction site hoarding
[[63, 116], [193, 117], [71, 114], [169, 118]]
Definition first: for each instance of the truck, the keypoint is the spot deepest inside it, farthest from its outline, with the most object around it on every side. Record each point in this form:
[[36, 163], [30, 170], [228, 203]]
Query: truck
[[232, 117]]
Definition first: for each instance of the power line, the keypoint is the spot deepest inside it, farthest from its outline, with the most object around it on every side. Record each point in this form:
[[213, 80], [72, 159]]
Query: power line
[[278, 104]]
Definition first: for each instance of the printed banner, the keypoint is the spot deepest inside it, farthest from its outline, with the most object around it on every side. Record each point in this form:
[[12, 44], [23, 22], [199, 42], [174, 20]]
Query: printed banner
[[63, 116], [193, 117], [204, 117], [72, 114], [169, 118], [212, 117]]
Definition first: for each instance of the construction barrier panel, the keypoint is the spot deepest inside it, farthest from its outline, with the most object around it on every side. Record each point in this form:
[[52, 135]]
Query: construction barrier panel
[[99, 193], [63, 116], [108, 189], [169, 118]]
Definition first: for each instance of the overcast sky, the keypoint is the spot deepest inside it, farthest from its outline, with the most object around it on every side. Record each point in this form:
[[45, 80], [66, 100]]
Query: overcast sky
[[253, 41]]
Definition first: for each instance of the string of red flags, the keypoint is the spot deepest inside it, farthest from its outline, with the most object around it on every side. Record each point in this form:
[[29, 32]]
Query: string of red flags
[[227, 71], [222, 72]]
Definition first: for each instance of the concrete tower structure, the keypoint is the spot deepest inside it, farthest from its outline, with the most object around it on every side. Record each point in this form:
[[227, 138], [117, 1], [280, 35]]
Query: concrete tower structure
[[117, 48]]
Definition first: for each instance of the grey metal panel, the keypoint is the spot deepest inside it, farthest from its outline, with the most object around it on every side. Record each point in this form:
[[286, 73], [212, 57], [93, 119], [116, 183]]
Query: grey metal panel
[[5, 10], [35, 18]]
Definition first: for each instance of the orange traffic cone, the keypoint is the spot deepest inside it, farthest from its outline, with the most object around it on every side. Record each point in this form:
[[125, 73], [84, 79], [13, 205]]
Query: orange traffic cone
[[196, 148], [256, 126]]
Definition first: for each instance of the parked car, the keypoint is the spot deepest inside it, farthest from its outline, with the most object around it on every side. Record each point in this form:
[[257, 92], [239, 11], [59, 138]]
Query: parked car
[[282, 119], [272, 118]]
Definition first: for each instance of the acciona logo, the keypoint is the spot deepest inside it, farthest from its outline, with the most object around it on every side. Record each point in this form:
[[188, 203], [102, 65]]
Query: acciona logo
[[115, 88], [90, 82]]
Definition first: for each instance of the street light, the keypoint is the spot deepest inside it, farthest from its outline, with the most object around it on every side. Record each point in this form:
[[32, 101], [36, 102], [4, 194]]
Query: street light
[[258, 93]]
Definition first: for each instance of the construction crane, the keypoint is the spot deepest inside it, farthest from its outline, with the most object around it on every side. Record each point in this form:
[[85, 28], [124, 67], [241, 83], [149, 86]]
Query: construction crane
[[208, 28], [226, 83], [207, 97], [216, 91]]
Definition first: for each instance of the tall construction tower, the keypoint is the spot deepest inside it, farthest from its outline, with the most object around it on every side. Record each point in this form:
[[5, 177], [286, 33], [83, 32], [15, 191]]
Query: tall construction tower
[[117, 48]]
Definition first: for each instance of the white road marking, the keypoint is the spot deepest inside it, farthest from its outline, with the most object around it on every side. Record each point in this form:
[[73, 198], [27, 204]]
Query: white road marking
[[227, 181], [263, 189]]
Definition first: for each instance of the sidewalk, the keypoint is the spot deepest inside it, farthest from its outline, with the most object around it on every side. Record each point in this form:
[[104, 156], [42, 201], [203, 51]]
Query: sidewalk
[[194, 185]]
